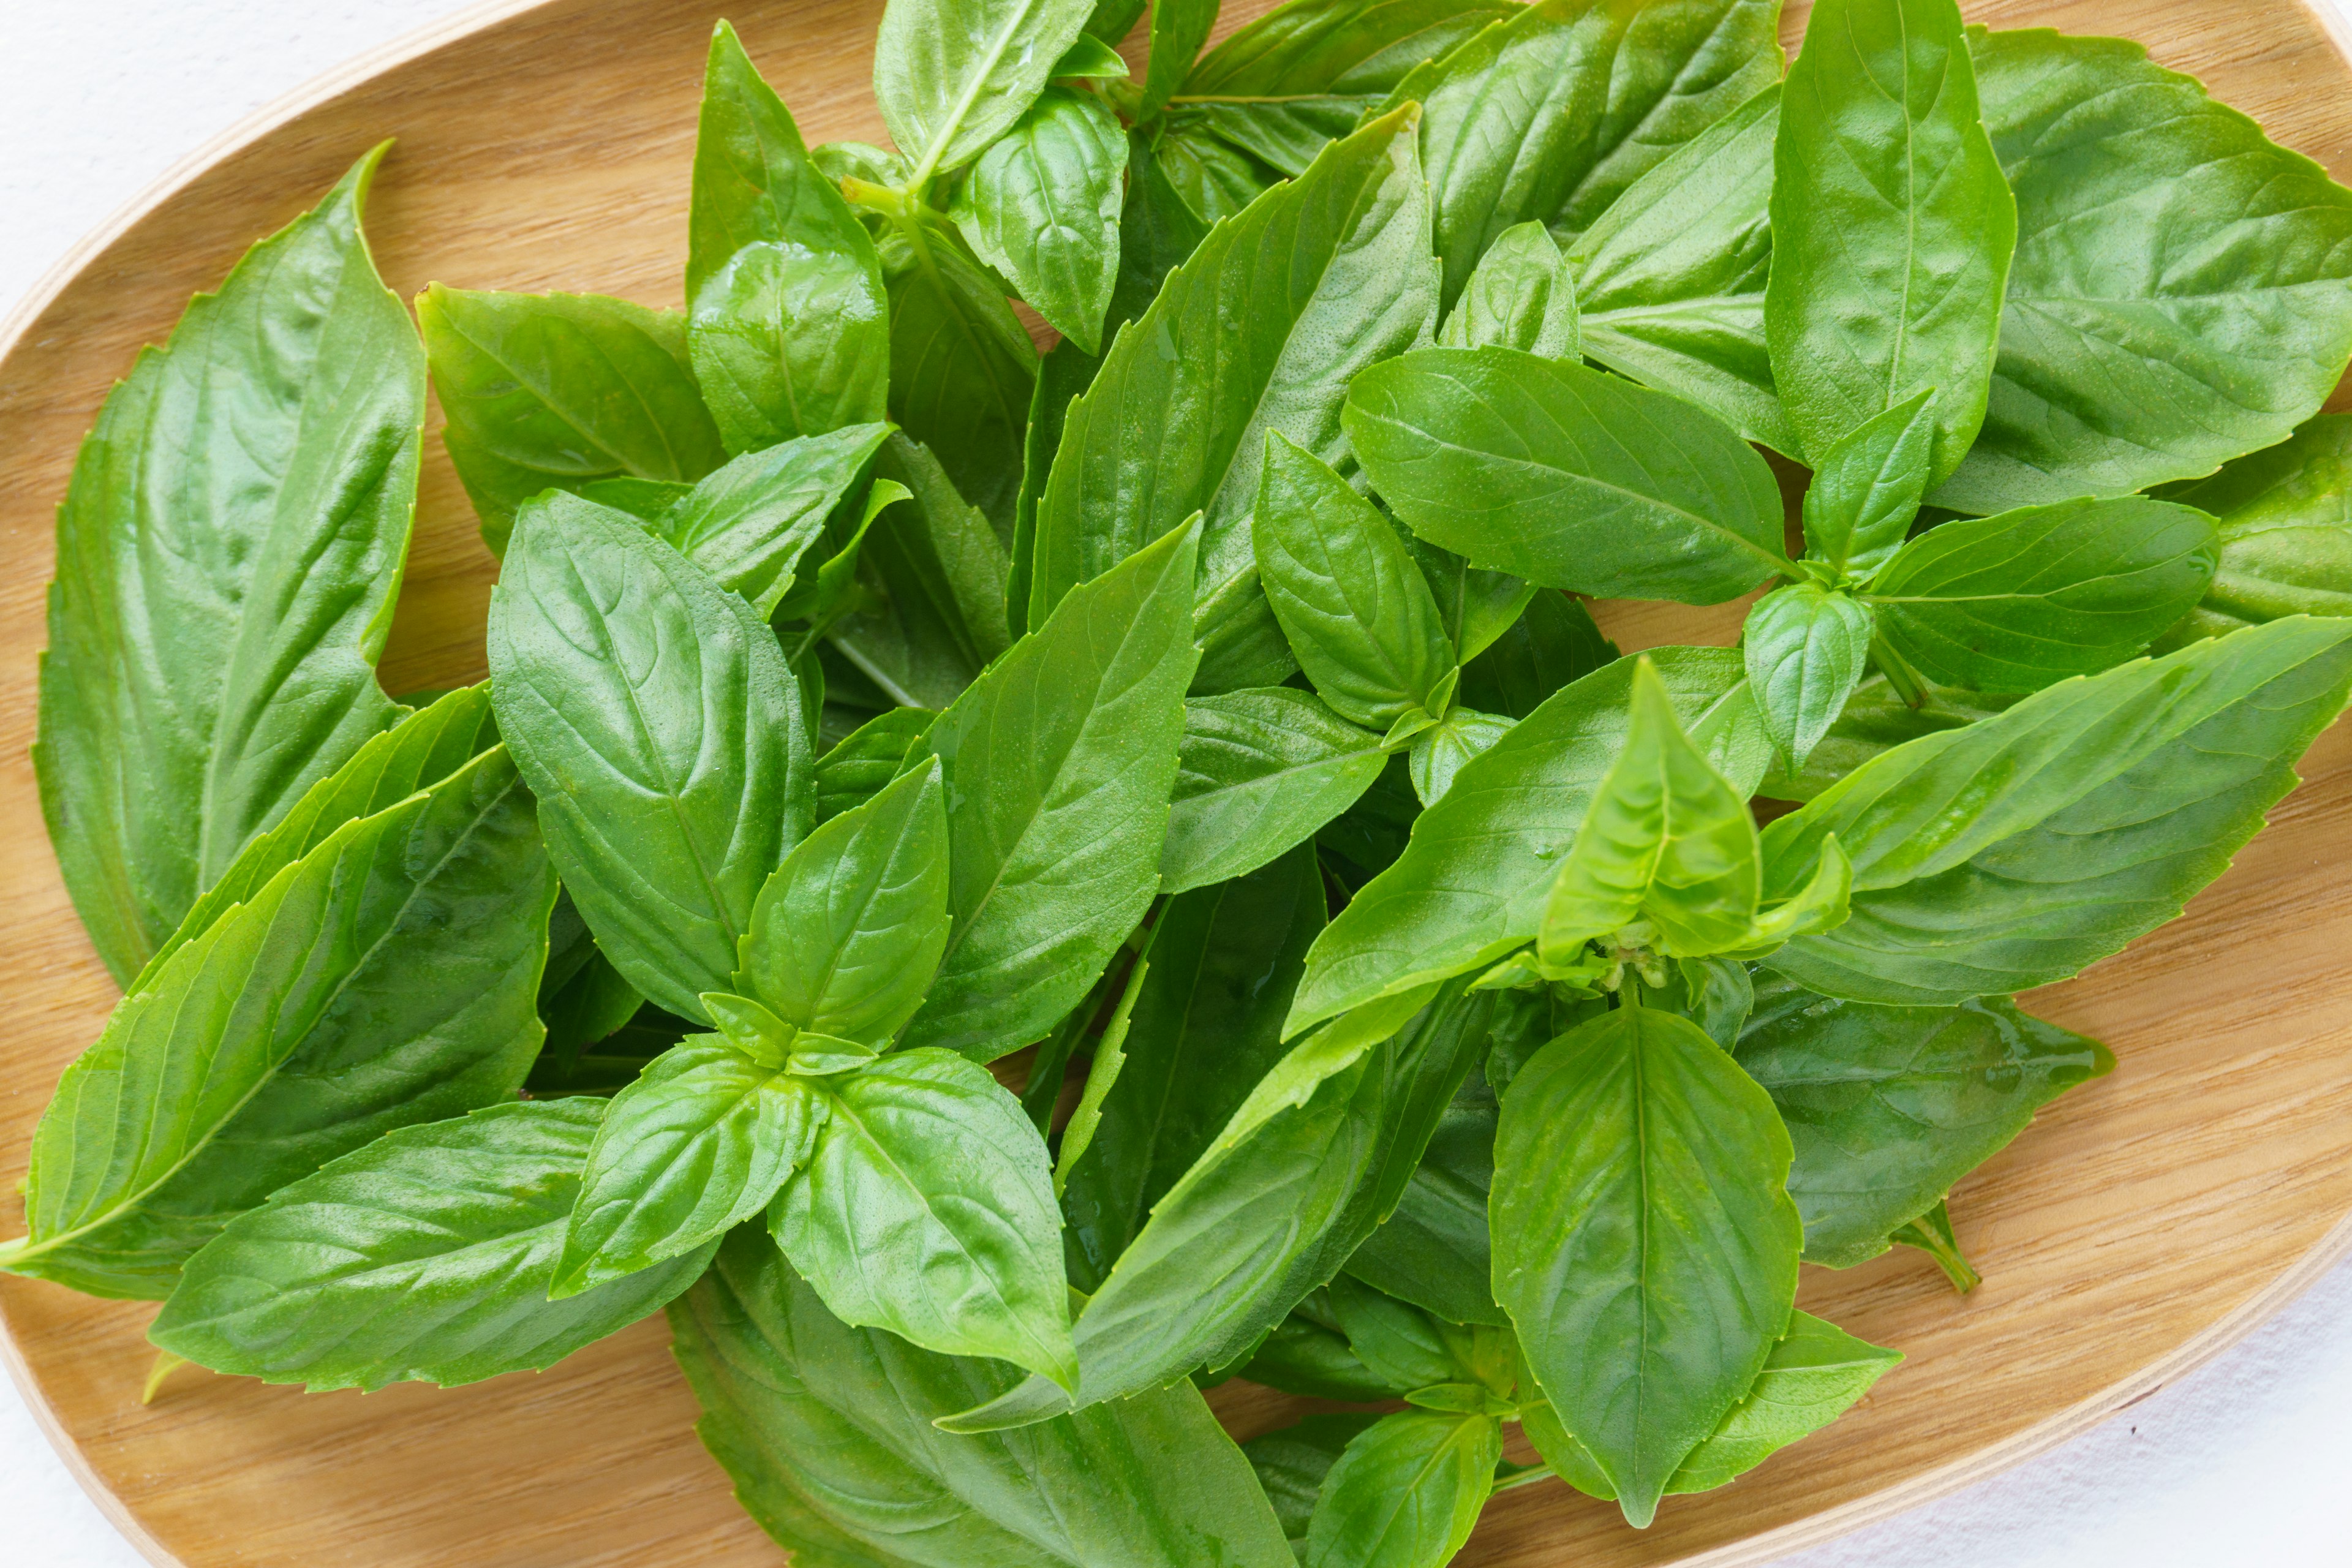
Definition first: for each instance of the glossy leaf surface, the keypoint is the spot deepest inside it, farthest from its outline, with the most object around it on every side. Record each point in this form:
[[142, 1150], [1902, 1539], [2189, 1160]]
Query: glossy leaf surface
[[1042, 207], [951, 76], [2285, 517], [1521, 295], [1257, 772], [1406, 1493], [1434, 1251], [1806, 648], [1867, 487]]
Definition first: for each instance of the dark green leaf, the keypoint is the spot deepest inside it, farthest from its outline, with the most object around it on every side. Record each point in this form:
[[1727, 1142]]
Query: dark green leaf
[[1306, 1354], [421, 1257], [1520, 296], [855, 771], [1059, 763], [1552, 642], [1567, 475], [1104, 1072], [1434, 1251], [2010, 854], [788, 316], [1113, 20], [654, 716], [558, 391], [1257, 772], [826, 1431], [1178, 28], [1891, 227], [961, 367], [229, 552], [1644, 1243], [1866, 489], [2178, 296], [1806, 648], [2015, 601], [1042, 207], [1406, 1493], [2286, 532], [1213, 178], [1889, 1105], [1291, 1462], [389, 976], [951, 76]]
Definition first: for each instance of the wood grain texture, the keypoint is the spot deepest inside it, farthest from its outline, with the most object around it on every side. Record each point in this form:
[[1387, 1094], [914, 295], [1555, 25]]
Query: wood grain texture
[[2143, 1223]]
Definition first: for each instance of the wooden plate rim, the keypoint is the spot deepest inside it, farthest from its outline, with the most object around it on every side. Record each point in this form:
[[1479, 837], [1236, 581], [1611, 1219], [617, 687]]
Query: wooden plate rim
[[1815, 1530]]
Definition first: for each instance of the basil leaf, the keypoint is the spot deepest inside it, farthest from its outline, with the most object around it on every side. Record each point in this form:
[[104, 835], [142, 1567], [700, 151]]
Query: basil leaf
[[1291, 1462], [1875, 719], [1889, 1105], [855, 770], [963, 368], [1177, 420], [1552, 642], [927, 1208], [1091, 58], [2014, 602], [2048, 836], [1435, 1250], [787, 319], [1257, 772], [1891, 227], [559, 391], [1398, 1344], [1112, 20], [1549, 115], [1042, 206], [1357, 612], [847, 932], [1806, 648], [1178, 28], [418, 1257], [1322, 1147], [1521, 295], [1156, 231], [1059, 762], [690, 1151], [1867, 487], [951, 76], [229, 552], [826, 1431], [1645, 1245], [1670, 280], [386, 977], [1215, 179], [1441, 752], [418, 752], [2177, 293], [1406, 1492], [1206, 1025], [654, 714], [1102, 1074], [2285, 533], [749, 523], [1931, 1233], [1302, 1354], [1567, 475], [1472, 884]]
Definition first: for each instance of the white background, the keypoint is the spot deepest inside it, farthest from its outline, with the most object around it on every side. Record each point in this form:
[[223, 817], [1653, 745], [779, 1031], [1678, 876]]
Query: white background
[[2249, 1461]]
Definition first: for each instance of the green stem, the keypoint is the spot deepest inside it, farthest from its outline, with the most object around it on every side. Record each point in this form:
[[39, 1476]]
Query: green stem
[[1523, 1476], [1908, 683]]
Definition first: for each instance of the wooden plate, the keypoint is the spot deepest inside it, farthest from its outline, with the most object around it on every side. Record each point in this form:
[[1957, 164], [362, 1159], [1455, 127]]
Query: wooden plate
[[2144, 1223]]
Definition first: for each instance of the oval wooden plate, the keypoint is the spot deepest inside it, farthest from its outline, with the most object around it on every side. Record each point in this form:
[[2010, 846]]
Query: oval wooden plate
[[2146, 1221]]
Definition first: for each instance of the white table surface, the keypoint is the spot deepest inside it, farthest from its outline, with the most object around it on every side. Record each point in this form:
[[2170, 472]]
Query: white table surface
[[2248, 1461]]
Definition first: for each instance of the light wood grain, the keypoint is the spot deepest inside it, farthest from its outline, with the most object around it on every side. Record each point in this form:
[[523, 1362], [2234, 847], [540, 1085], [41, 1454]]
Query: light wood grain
[[2141, 1224]]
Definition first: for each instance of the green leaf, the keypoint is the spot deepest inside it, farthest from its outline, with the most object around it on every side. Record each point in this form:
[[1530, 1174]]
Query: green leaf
[[1889, 1105], [1215, 179], [685, 1153], [1042, 206], [1291, 1462], [582, 997], [1867, 487], [1806, 648], [827, 1433], [1354, 605], [1644, 1243], [1476, 607], [1552, 114], [1059, 762], [1521, 295], [1241, 340], [1102, 1074], [420, 1258], [1666, 840], [962, 369], [1567, 475], [1090, 59], [1406, 1493], [1931, 1233], [1670, 280], [788, 318], [855, 771], [749, 523], [951, 76], [1472, 885], [2010, 854], [1112, 20], [1156, 231], [653, 712], [1178, 28], [1322, 1147], [1441, 752], [846, 934], [2015, 601], [1891, 227], [227, 556], [2285, 533], [1257, 772], [1552, 642], [1877, 717], [1407, 1348], [558, 391], [1435, 1250], [1206, 1027], [2177, 295], [823, 591], [388, 976], [927, 1209], [1306, 1354]]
